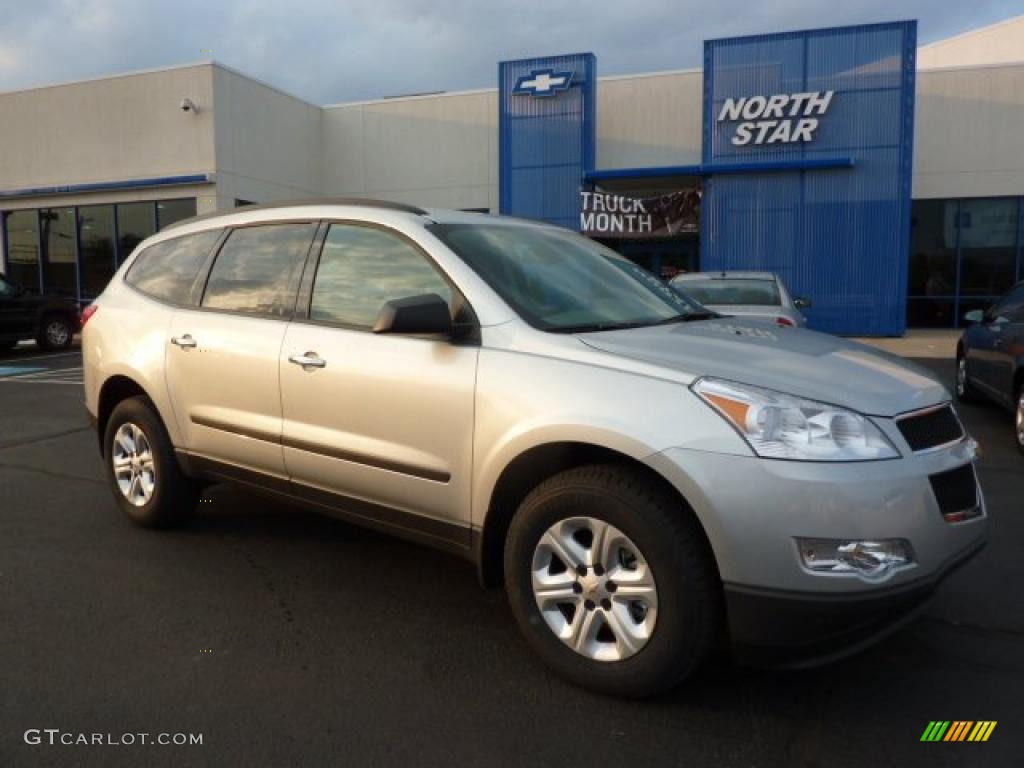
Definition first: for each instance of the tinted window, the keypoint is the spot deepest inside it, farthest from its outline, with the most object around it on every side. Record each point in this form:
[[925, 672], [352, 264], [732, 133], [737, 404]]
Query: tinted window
[[1010, 306], [170, 211], [60, 262], [258, 269], [96, 242], [167, 270], [23, 248], [733, 292], [135, 223], [362, 268]]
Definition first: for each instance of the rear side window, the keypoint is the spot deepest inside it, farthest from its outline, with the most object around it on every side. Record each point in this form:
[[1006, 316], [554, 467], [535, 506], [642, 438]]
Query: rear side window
[[167, 270], [258, 269], [362, 268]]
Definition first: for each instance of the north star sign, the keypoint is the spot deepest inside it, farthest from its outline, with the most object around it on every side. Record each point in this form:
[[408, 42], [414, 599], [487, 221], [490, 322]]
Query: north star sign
[[543, 82], [782, 118]]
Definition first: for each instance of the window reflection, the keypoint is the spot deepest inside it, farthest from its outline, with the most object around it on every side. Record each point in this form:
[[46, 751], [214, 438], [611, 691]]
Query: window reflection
[[361, 269], [258, 269], [135, 222], [60, 257], [96, 241], [22, 238]]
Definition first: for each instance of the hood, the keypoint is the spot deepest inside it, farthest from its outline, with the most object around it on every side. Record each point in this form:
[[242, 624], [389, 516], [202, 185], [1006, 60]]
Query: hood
[[792, 360]]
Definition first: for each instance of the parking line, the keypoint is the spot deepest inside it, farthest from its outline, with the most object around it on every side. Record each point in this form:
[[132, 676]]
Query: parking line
[[46, 357], [18, 370]]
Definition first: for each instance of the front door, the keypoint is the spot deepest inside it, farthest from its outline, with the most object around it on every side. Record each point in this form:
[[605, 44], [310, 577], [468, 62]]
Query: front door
[[384, 419], [222, 358]]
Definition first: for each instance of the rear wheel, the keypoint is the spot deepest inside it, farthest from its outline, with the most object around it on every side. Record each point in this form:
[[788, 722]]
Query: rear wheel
[[143, 472], [965, 391], [611, 581], [55, 332]]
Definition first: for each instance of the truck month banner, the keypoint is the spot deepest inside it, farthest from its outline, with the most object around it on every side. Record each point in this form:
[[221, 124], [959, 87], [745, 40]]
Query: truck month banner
[[603, 214]]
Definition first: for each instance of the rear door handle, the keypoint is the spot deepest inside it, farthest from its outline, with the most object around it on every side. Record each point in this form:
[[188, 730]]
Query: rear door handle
[[185, 342], [308, 361]]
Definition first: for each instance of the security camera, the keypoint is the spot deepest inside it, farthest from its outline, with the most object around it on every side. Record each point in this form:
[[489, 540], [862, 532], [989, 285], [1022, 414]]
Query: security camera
[[187, 105]]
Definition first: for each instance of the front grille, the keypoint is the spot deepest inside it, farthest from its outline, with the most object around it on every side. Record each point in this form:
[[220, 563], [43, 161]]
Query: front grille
[[930, 428], [956, 492]]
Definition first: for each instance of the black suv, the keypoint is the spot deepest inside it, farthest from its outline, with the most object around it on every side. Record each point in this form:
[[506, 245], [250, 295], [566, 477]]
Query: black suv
[[990, 356], [52, 322]]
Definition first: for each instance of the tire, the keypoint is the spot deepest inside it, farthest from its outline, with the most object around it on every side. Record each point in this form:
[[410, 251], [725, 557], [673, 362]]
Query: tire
[[164, 496], [55, 332], [672, 550], [1019, 417], [962, 387]]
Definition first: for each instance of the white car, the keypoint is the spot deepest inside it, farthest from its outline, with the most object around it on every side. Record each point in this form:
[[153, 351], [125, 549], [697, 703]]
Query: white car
[[646, 480], [750, 295]]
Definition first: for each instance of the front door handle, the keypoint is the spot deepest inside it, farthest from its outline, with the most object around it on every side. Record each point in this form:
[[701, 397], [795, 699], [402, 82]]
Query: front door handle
[[308, 361], [185, 342]]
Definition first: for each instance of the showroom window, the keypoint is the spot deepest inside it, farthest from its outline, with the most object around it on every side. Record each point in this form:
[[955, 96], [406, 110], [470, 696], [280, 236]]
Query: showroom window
[[73, 251], [964, 254]]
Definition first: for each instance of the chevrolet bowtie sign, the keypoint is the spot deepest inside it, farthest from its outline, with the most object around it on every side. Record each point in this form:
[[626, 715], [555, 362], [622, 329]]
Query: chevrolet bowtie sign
[[543, 82], [782, 118]]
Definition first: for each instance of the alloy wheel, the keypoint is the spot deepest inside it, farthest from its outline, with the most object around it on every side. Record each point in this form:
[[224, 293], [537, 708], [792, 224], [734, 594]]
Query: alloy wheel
[[594, 589], [1020, 418], [132, 460], [961, 376], [57, 333]]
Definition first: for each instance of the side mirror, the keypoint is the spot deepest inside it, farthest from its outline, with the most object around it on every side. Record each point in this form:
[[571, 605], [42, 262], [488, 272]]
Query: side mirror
[[427, 313], [802, 302], [974, 316]]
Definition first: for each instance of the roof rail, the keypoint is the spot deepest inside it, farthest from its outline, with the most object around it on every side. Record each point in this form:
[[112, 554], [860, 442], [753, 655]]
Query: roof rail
[[358, 201]]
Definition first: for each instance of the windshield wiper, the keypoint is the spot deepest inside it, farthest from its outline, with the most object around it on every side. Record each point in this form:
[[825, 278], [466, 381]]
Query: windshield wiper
[[595, 327]]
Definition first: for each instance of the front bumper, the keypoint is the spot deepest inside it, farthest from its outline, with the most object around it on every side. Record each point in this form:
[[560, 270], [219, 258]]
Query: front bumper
[[770, 628], [753, 511]]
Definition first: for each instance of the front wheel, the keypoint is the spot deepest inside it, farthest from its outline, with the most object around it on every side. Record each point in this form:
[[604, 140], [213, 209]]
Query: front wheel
[[611, 581], [144, 475]]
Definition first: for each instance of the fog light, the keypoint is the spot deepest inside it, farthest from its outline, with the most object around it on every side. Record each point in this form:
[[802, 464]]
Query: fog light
[[871, 559]]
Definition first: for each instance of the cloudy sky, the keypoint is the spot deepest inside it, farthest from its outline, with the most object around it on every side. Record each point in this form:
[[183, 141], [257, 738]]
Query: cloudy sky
[[329, 51]]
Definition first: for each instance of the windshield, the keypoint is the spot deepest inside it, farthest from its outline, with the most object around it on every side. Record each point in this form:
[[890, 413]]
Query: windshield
[[731, 291], [561, 282]]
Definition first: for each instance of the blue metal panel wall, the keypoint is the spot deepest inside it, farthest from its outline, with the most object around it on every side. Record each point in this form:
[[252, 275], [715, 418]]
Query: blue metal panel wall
[[546, 140], [839, 236]]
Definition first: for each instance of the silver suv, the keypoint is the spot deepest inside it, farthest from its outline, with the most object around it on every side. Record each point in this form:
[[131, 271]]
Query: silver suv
[[646, 479]]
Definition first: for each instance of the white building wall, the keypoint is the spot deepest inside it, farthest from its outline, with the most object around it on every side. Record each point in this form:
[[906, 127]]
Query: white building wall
[[1000, 43], [437, 150], [268, 143], [649, 120], [968, 127], [115, 129]]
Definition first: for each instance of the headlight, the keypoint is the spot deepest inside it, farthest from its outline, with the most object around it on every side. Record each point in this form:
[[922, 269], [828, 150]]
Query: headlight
[[780, 426]]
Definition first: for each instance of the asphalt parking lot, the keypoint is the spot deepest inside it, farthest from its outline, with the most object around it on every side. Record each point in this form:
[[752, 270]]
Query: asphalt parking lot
[[289, 639]]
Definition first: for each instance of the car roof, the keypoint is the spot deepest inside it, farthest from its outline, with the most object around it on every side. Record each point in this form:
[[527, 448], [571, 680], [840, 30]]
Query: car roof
[[737, 275], [345, 207]]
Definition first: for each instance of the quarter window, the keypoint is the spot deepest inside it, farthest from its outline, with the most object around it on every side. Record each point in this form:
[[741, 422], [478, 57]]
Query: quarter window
[[362, 268], [258, 269], [168, 269]]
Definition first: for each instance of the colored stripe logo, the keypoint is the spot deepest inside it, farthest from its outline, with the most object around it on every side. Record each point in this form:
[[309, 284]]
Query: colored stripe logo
[[958, 730]]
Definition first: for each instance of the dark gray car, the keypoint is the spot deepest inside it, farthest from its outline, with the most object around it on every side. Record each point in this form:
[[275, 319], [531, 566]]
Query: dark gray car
[[990, 356]]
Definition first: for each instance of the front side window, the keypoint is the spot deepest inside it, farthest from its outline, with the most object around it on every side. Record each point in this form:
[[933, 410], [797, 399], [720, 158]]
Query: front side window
[[362, 268], [1010, 307], [732, 291], [167, 270], [561, 282], [258, 269]]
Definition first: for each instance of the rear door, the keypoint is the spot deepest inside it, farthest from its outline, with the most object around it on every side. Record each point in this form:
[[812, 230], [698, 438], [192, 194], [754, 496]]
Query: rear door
[[380, 418], [222, 356]]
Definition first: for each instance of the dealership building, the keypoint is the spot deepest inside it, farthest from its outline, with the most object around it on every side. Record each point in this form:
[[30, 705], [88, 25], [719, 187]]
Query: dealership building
[[882, 180]]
